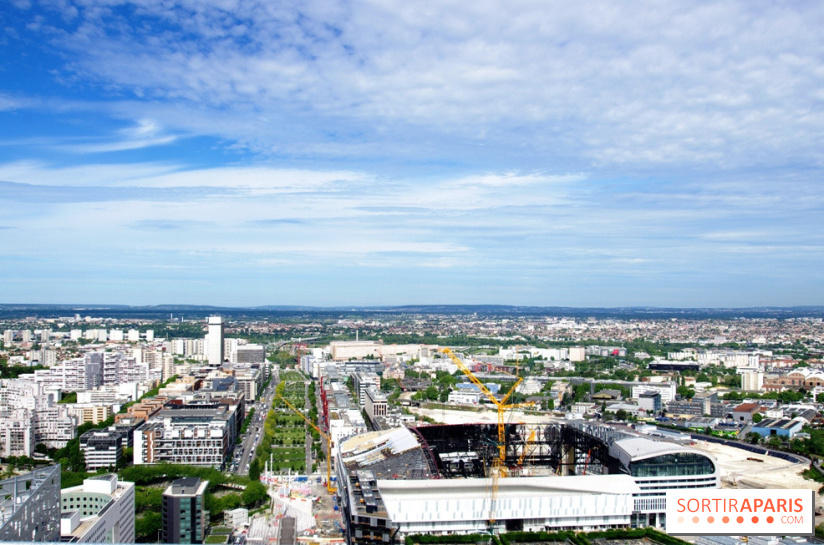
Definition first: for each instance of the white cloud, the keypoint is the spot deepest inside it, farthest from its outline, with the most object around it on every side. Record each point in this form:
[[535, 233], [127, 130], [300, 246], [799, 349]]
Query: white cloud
[[724, 83]]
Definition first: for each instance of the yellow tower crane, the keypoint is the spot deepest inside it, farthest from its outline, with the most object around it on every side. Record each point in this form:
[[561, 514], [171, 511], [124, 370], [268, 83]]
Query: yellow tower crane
[[498, 468], [331, 489], [527, 446]]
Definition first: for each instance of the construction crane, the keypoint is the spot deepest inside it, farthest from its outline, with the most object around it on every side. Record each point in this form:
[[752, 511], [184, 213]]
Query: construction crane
[[498, 468], [529, 442], [329, 443]]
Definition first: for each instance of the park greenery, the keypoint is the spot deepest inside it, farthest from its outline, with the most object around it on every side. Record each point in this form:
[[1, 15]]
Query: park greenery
[[284, 432]]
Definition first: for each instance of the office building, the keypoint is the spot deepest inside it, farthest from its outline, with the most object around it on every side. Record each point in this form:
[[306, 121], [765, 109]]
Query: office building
[[102, 448], [30, 506], [215, 342], [101, 510], [183, 512], [376, 404]]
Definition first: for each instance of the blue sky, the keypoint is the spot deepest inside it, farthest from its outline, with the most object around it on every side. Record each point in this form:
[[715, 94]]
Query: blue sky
[[377, 153]]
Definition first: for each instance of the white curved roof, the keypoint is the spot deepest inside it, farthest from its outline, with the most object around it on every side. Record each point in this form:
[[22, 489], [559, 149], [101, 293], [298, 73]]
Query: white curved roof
[[640, 448]]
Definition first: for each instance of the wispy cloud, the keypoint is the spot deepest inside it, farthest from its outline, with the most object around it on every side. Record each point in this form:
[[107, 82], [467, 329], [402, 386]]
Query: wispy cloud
[[475, 150]]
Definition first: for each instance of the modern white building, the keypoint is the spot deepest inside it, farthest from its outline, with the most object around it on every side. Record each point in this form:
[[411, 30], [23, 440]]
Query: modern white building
[[30, 506], [464, 397], [434, 480], [101, 510], [666, 389], [376, 404], [215, 340]]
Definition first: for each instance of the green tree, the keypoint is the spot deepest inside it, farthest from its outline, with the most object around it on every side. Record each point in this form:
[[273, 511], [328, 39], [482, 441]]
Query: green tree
[[254, 494], [753, 438], [254, 470], [685, 392], [757, 418], [147, 527]]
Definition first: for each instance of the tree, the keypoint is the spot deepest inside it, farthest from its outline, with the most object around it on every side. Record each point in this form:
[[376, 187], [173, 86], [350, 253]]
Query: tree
[[254, 470], [757, 418], [254, 494], [752, 438], [147, 527], [685, 393]]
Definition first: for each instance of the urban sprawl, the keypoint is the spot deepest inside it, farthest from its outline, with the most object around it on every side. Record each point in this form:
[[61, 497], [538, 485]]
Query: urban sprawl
[[375, 428]]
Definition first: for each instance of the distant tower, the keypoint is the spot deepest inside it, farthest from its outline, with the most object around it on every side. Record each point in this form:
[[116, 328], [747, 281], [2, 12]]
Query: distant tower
[[215, 340]]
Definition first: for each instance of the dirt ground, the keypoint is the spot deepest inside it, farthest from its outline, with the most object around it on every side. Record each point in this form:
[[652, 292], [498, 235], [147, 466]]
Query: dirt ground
[[739, 472]]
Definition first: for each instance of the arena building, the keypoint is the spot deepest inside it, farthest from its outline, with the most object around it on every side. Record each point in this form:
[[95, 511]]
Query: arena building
[[561, 476]]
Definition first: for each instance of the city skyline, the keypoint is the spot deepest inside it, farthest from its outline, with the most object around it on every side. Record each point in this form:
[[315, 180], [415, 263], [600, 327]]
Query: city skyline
[[336, 154]]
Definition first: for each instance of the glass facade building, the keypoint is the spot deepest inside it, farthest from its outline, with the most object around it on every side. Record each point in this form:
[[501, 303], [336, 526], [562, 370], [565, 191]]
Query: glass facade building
[[182, 511]]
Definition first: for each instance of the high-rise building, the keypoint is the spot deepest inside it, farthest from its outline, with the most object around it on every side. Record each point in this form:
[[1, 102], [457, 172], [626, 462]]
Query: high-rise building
[[215, 340], [183, 511], [101, 510], [30, 506]]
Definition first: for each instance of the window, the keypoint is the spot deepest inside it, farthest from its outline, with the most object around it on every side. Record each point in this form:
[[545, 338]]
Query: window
[[670, 465]]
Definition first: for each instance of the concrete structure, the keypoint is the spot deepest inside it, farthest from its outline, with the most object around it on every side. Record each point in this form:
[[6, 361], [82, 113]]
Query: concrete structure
[[376, 404], [215, 342], [183, 511], [236, 517], [101, 510], [30, 506], [581, 477]]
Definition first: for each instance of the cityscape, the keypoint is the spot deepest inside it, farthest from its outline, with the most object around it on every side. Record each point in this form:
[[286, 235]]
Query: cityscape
[[397, 272], [368, 426]]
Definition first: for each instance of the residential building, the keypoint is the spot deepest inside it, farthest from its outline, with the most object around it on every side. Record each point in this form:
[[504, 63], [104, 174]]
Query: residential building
[[89, 412]]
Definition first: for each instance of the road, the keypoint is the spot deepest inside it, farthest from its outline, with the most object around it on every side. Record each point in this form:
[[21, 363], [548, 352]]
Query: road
[[254, 432]]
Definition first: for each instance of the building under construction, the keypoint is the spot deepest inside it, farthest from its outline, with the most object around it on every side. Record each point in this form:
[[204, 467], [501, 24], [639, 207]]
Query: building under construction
[[556, 476]]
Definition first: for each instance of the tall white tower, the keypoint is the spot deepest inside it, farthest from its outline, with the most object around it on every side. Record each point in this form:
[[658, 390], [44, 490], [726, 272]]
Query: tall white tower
[[215, 340]]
